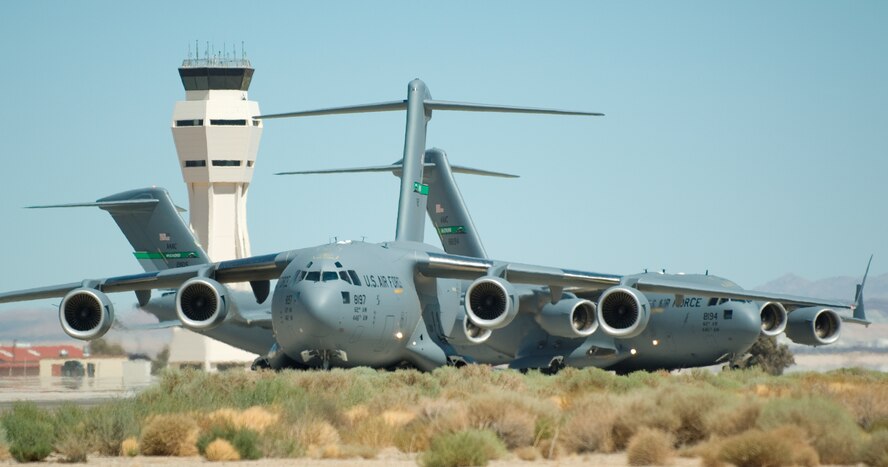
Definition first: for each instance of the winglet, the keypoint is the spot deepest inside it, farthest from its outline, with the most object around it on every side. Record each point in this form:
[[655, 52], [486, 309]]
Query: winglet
[[859, 311]]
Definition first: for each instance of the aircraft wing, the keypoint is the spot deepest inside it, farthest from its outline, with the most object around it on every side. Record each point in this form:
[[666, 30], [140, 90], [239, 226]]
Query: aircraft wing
[[678, 287], [252, 269], [469, 268], [580, 282]]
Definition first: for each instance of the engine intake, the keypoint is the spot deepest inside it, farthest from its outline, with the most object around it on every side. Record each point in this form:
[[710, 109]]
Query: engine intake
[[814, 326], [773, 318], [201, 303], [491, 302], [573, 317], [623, 312], [86, 314]]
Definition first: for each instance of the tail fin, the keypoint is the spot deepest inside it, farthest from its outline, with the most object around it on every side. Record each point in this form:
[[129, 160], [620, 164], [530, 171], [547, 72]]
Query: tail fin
[[419, 106], [152, 224], [446, 208]]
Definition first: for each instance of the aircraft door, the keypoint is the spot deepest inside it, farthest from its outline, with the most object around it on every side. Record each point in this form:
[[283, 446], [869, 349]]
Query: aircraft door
[[386, 337]]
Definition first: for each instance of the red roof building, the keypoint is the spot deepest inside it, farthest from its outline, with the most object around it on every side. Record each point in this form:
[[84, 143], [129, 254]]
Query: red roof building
[[22, 360]]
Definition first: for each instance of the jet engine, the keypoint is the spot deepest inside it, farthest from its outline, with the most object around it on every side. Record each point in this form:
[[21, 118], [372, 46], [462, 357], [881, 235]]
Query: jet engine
[[201, 303], [814, 326], [465, 332], [773, 318], [623, 312], [569, 318], [86, 314], [491, 302]]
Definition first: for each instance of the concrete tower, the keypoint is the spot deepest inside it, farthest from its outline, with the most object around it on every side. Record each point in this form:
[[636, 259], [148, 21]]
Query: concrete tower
[[217, 140]]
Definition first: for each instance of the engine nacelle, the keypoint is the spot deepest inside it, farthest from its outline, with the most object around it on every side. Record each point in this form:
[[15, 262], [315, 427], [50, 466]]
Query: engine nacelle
[[623, 312], [86, 314], [571, 318], [773, 318], [814, 326], [491, 302], [465, 332], [201, 303]]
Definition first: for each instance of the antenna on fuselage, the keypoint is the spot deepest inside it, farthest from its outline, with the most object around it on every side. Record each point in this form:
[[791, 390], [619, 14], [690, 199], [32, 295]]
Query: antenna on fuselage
[[419, 105]]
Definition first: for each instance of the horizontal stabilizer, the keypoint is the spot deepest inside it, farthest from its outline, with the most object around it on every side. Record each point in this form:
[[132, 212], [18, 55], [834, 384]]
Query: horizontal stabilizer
[[469, 107], [397, 166], [349, 109]]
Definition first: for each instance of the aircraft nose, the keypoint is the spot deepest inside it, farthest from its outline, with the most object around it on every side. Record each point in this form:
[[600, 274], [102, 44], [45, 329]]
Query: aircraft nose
[[317, 306]]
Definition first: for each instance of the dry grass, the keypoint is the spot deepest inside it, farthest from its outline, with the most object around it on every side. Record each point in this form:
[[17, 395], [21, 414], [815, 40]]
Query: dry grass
[[650, 447], [129, 447], [875, 451], [783, 446], [830, 429], [320, 438], [590, 426], [221, 450], [169, 435]]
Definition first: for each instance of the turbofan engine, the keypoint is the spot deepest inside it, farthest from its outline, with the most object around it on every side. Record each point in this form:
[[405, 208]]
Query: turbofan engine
[[623, 312], [814, 326], [491, 302], [773, 318], [201, 303], [86, 314], [465, 332], [573, 317]]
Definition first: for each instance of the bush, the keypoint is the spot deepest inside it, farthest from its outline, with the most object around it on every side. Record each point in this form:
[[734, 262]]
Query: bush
[[107, 426], [591, 425], [782, 446], [464, 448], [221, 450], [650, 447], [832, 431], [169, 435], [129, 447], [30, 432], [875, 450], [244, 440]]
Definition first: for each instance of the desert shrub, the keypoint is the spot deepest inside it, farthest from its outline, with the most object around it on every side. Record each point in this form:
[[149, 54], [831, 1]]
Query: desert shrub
[[221, 450], [281, 442], [511, 416], [875, 450], [650, 447], [463, 448], [637, 410], [732, 418], [244, 440], [473, 379], [109, 424], [779, 447], [71, 447], [169, 435], [317, 434], [371, 432], [129, 447], [831, 429], [436, 417], [30, 432], [590, 426], [690, 406], [527, 453], [351, 451], [69, 422]]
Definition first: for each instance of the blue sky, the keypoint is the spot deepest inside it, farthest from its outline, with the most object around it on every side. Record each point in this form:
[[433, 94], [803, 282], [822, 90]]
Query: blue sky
[[746, 138]]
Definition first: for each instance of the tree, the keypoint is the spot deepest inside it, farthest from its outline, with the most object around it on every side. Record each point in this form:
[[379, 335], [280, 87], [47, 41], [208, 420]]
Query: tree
[[766, 354], [160, 361], [102, 348]]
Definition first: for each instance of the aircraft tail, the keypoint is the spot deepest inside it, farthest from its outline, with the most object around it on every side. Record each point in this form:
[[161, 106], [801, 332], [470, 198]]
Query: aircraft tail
[[859, 315], [151, 223]]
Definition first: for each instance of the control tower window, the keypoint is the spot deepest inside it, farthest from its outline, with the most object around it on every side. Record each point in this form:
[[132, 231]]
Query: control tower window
[[195, 163], [220, 163], [222, 122], [197, 122], [250, 163]]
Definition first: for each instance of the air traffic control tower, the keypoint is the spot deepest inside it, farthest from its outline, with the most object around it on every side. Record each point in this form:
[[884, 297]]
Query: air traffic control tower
[[217, 140]]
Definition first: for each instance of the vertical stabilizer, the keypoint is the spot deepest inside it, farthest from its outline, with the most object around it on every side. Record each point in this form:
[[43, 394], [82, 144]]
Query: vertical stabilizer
[[448, 211], [414, 193], [859, 311]]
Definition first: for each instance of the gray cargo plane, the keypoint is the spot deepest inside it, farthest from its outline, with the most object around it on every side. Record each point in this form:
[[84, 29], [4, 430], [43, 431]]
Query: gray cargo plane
[[354, 303]]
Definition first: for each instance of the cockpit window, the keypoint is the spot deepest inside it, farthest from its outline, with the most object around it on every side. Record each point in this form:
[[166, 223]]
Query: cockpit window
[[344, 276], [354, 277], [300, 275], [338, 264], [329, 276], [313, 276]]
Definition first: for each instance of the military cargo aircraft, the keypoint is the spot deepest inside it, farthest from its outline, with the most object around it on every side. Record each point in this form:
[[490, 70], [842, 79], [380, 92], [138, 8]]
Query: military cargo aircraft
[[355, 303]]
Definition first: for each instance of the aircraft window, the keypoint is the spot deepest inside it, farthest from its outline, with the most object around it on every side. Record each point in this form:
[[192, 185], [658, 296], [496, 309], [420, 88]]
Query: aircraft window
[[354, 277], [313, 276], [338, 264], [300, 274], [345, 297], [330, 276], [344, 276], [713, 301], [309, 264]]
